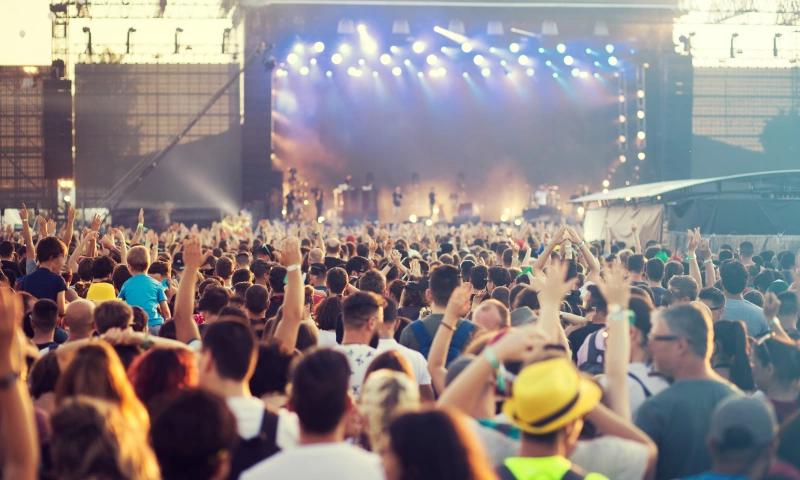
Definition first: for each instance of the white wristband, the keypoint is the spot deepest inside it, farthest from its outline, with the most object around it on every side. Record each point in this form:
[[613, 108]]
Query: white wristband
[[292, 268]]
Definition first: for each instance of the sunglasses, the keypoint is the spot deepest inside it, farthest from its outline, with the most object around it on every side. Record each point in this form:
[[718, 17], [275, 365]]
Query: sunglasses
[[663, 338]]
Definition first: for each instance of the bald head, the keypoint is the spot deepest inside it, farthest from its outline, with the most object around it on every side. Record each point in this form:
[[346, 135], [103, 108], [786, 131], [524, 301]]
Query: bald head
[[491, 316], [79, 319], [316, 256]]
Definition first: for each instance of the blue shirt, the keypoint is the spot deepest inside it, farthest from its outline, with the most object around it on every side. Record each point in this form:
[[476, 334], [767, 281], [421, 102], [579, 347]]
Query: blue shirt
[[716, 476], [752, 316], [146, 293], [43, 284]]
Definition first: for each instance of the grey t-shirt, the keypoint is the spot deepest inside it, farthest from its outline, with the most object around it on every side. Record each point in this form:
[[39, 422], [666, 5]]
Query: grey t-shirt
[[752, 316], [677, 420]]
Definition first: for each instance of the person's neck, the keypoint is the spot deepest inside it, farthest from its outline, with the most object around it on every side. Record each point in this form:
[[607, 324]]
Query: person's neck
[[652, 283], [137, 272], [226, 282], [263, 282], [733, 296], [747, 261], [43, 337], [74, 337], [783, 392], [599, 318], [696, 368], [274, 294], [437, 310], [256, 316], [639, 355], [386, 333], [532, 449], [636, 277], [5, 259], [319, 283], [311, 438], [104, 279], [209, 317], [788, 323], [754, 470], [229, 388], [354, 337], [52, 265]]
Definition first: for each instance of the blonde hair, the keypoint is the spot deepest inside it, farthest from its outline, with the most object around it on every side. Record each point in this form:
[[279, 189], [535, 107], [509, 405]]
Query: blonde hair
[[92, 438], [385, 395], [139, 258]]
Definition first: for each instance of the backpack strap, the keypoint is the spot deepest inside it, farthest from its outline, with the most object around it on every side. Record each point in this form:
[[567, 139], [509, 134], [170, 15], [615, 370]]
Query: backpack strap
[[504, 473], [423, 337], [591, 357], [647, 393], [461, 335]]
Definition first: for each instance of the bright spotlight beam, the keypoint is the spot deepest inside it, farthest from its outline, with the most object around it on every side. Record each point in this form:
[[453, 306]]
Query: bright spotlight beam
[[525, 32], [456, 37]]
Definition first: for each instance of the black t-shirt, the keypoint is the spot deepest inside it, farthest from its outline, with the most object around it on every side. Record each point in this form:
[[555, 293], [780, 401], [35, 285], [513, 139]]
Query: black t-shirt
[[13, 266], [432, 198], [396, 197], [48, 346], [332, 262], [579, 336]]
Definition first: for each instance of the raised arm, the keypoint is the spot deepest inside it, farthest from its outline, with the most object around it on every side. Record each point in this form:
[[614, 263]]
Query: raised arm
[[72, 263], [18, 439], [705, 255], [541, 262], [691, 254], [591, 261], [288, 328], [185, 327], [617, 293], [96, 221], [637, 242], [551, 293], [123, 247], [68, 232], [457, 307], [30, 251], [771, 307]]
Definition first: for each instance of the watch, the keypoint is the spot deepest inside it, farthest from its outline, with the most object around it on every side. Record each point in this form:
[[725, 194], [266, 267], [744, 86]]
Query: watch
[[8, 380]]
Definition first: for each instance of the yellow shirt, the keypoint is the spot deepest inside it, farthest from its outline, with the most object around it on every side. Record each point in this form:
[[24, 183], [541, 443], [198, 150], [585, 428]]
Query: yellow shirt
[[543, 468]]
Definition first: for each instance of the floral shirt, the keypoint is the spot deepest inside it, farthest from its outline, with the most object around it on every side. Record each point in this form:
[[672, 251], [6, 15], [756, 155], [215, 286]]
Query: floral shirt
[[359, 356]]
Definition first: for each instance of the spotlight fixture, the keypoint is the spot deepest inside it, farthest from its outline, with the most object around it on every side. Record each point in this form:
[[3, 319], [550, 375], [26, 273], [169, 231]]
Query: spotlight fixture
[[514, 47], [418, 47], [466, 47], [478, 59], [319, 47], [561, 48], [400, 27], [612, 61], [495, 27]]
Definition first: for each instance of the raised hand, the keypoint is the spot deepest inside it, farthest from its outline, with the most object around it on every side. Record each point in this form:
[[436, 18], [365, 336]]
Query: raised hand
[[71, 214], [479, 296], [771, 306], [704, 249], [415, 269], [634, 228], [291, 251], [96, 221], [41, 226], [192, 254], [141, 216], [23, 213], [556, 287], [10, 321], [616, 290], [692, 240], [50, 227], [459, 304], [372, 247]]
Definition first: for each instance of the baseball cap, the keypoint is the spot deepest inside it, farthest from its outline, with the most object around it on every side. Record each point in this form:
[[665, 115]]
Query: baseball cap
[[177, 261], [548, 395], [778, 286], [350, 238], [743, 422]]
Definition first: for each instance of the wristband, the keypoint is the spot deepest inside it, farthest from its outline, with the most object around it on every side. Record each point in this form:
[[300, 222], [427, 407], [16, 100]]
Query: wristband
[[582, 244], [292, 268], [147, 342], [449, 327], [690, 257], [774, 321], [491, 357], [707, 261], [625, 314]]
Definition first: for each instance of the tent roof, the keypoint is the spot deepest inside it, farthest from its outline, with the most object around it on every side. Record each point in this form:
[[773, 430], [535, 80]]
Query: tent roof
[[678, 188]]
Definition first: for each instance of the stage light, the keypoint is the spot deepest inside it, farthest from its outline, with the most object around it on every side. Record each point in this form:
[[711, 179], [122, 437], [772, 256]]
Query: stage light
[[442, 72], [67, 198], [504, 218], [420, 74], [375, 73], [313, 61], [622, 139], [606, 183], [612, 61], [486, 72], [605, 190], [597, 75], [370, 47], [407, 62], [418, 47], [581, 211], [443, 49], [362, 62], [640, 135], [641, 155], [523, 59], [319, 47], [436, 210], [627, 199], [503, 63], [548, 63], [514, 47], [320, 219], [509, 73], [507, 211], [397, 71], [412, 219], [492, 49], [291, 59], [394, 49], [478, 59], [561, 48], [429, 222], [361, 29], [466, 47], [530, 72], [640, 94], [66, 183], [303, 70], [623, 158], [576, 72], [627, 182], [588, 51], [568, 60], [555, 75], [610, 48], [465, 75], [621, 98], [622, 119], [640, 114], [386, 59], [298, 48], [305, 202], [329, 73], [336, 58], [541, 50], [432, 59], [596, 63], [344, 49], [584, 74]]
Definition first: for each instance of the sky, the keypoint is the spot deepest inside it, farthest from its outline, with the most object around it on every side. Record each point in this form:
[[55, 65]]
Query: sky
[[24, 32]]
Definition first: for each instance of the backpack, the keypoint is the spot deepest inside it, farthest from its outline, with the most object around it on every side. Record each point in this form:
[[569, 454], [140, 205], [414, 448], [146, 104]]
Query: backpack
[[460, 337], [592, 366], [504, 473], [251, 451], [647, 393]]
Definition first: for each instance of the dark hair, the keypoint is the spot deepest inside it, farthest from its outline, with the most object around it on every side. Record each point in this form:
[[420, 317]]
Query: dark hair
[[670, 270], [120, 276], [224, 267], [636, 263], [319, 393], [685, 285], [327, 311], [112, 314], [242, 275], [49, 248], [44, 375], [240, 290], [208, 282], [85, 269], [214, 299], [763, 280], [502, 294], [6, 248], [162, 370], [44, 316], [359, 307], [787, 260], [789, 306], [725, 255], [255, 299], [442, 282], [654, 269], [526, 297], [271, 374], [140, 319], [390, 360], [337, 279], [191, 431], [479, 277], [596, 299], [372, 281], [232, 347], [755, 297], [746, 249], [731, 338], [713, 295], [436, 445], [396, 288], [734, 277], [159, 267], [306, 336], [276, 277], [784, 356], [102, 267], [357, 264], [499, 276], [642, 312]]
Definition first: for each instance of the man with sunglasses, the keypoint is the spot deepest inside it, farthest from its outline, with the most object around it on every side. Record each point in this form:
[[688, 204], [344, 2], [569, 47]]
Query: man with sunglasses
[[714, 299], [677, 419]]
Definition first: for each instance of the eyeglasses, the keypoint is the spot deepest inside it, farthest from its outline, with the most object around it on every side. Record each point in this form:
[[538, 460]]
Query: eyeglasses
[[715, 309], [663, 338]]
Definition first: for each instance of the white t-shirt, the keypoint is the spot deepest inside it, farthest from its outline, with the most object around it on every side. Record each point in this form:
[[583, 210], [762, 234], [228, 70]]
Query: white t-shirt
[[249, 413], [636, 394], [326, 339], [418, 363], [359, 356], [331, 461], [613, 457]]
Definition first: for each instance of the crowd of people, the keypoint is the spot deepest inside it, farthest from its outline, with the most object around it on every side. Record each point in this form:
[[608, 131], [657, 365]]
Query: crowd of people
[[399, 352]]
